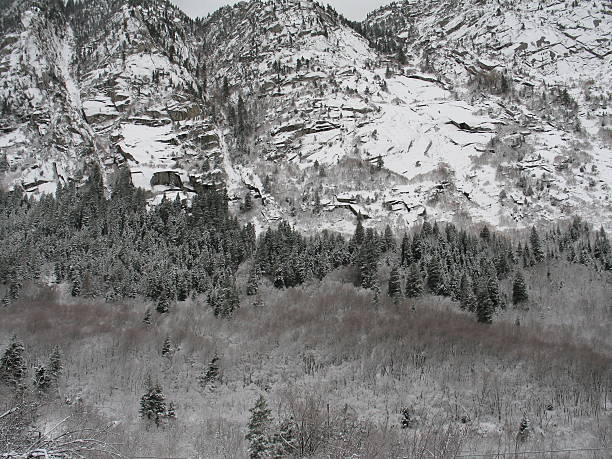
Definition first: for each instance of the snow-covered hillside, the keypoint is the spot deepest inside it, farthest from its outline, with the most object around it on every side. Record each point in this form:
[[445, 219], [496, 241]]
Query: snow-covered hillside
[[492, 111]]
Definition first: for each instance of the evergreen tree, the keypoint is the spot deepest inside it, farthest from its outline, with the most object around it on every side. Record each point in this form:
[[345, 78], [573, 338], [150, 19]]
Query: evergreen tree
[[284, 441], [359, 235], [406, 251], [519, 289], [494, 294], [224, 299], [167, 348], [12, 364], [42, 380], [76, 287], [258, 434], [253, 281], [368, 262], [389, 239], [414, 282], [524, 429], [147, 317], [153, 403], [211, 376], [536, 248], [395, 284], [434, 275], [485, 309], [163, 303]]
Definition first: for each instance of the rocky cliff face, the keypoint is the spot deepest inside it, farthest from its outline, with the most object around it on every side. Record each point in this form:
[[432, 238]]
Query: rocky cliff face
[[485, 111]]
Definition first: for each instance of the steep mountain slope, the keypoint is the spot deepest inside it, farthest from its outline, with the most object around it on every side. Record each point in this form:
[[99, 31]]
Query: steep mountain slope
[[41, 126], [284, 100], [141, 92], [546, 64]]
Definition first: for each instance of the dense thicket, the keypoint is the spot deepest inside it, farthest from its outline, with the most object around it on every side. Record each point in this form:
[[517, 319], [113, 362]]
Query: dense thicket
[[119, 246]]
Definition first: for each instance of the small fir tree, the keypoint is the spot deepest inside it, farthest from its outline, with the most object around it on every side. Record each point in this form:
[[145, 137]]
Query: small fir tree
[[284, 441], [147, 317], [12, 364], [494, 294], [519, 289], [524, 429], [258, 430], [536, 247], [414, 282], [485, 308], [167, 349], [211, 376], [434, 275], [153, 403], [42, 380], [395, 284], [253, 281], [467, 299]]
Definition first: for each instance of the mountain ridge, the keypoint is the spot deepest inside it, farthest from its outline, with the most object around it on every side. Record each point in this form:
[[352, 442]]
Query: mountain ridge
[[291, 102]]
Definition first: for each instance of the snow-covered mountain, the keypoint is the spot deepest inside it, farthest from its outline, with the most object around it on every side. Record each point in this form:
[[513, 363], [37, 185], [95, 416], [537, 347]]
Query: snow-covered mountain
[[485, 110]]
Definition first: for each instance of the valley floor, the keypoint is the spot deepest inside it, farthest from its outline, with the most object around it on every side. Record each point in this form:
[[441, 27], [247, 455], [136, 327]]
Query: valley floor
[[416, 378]]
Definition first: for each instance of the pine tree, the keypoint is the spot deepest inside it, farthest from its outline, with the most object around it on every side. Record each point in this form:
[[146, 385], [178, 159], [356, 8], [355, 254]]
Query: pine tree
[[494, 295], [284, 441], [536, 247], [414, 282], [211, 376], [76, 286], [167, 349], [395, 284], [406, 251], [367, 260], [467, 299], [434, 275], [147, 317], [258, 430], [524, 429], [42, 380], [253, 281], [519, 289], [359, 235], [427, 229], [12, 364], [389, 239], [153, 403], [163, 303], [485, 309]]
